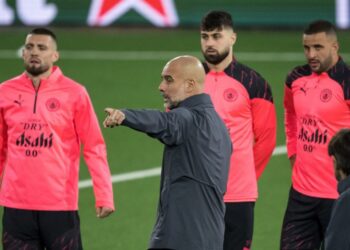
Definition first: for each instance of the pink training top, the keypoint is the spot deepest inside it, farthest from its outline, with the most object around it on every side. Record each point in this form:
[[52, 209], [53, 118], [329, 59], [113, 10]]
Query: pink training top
[[243, 99], [316, 107], [41, 133]]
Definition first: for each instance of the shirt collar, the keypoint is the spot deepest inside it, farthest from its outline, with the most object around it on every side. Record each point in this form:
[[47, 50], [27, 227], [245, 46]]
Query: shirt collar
[[55, 74]]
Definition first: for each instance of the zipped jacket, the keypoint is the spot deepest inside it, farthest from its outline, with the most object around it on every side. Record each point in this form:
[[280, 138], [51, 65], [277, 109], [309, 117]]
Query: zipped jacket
[[244, 101], [41, 134], [316, 107]]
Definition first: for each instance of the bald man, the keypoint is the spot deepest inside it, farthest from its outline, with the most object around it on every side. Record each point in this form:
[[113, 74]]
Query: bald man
[[197, 151]]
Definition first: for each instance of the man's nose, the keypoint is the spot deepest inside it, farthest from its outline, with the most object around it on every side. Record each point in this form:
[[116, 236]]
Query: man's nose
[[34, 51], [161, 86], [209, 42], [311, 53]]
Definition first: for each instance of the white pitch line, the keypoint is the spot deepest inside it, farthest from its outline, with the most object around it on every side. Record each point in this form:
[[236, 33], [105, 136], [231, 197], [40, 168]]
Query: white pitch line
[[152, 172], [114, 55], [126, 177]]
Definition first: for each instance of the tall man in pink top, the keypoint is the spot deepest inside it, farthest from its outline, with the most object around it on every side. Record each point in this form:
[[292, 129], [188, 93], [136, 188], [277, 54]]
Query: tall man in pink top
[[317, 105], [244, 101], [45, 118]]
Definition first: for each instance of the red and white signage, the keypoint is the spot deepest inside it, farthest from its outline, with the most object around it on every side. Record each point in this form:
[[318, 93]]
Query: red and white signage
[[161, 13]]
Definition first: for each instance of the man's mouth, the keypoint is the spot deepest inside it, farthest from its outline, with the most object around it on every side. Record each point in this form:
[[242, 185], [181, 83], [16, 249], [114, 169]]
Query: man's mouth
[[165, 98], [34, 61], [211, 51], [314, 63]]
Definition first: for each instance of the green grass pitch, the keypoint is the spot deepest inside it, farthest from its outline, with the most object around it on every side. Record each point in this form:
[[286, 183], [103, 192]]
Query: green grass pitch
[[121, 68]]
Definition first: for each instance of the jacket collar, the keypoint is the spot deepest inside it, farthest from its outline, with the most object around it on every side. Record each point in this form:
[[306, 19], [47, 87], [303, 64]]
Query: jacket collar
[[195, 100], [53, 77], [336, 70], [229, 67]]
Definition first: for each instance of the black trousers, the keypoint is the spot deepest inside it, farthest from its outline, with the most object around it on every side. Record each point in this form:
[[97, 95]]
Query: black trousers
[[305, 221], [38, 230], [239, 223]]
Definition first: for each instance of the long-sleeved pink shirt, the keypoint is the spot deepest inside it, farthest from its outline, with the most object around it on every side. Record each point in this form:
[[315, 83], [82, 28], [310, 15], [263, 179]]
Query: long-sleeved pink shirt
[[316, 107], [41, 134], [244, 101]]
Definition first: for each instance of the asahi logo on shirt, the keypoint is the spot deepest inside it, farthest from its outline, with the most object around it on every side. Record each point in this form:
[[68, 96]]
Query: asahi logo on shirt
[[311, 133], [34, 138]]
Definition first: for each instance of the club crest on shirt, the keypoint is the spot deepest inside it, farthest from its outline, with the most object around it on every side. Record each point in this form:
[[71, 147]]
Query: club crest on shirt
[[53, 104], [326, 95], [230, 95]]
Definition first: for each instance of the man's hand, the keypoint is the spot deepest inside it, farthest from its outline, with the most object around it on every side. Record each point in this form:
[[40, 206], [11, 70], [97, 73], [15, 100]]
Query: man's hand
[[115, 117], [102, 212]]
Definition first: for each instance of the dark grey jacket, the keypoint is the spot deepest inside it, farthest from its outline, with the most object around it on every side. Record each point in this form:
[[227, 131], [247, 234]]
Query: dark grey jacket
[[338, 231], [194, 173]]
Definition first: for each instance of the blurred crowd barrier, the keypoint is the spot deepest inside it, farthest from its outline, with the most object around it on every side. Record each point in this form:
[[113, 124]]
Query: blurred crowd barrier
[[170, 13]]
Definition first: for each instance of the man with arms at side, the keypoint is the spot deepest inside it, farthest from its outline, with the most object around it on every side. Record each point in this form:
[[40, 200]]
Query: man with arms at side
[[316, 103], [338, 230], [195, 161], [45, 118], [244, 101]]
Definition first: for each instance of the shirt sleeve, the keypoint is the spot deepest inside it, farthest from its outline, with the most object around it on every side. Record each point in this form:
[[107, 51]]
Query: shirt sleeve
[[168, 127], [337, 235], [264, 127], [3, 143], [94, 150], [290, 122]]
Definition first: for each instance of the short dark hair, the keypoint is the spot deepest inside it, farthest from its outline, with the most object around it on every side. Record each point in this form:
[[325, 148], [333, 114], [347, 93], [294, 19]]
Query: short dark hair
[[339, 147], [43, 31], [216, 19], [319, 26]]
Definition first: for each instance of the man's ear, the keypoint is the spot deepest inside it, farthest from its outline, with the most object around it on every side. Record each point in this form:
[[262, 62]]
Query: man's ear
[[233, 38], [190, 85], [335, 46], [56, 56]]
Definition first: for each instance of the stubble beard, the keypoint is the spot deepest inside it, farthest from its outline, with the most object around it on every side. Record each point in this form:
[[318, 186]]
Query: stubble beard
[[323, 66], [216, 58], [36, 71]]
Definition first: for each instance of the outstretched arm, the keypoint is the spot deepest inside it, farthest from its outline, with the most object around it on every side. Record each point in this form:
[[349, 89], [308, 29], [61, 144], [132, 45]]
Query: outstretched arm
[[168, 127]]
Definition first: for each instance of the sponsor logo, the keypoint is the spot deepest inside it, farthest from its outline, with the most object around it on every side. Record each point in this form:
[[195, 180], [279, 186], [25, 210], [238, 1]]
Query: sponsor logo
[[306, 87], [326, 95], [161, 13], [53, 104], [19, 100], [311, 133], [230, 95], [40, 141], [33, 138], [303, 90]]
